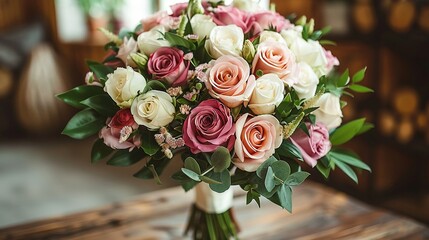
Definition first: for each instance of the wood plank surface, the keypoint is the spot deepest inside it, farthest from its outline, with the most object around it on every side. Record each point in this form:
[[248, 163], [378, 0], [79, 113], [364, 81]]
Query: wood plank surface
[[318, 213]]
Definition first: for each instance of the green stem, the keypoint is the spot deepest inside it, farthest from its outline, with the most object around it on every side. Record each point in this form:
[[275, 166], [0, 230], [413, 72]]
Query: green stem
[[207, 171], [278, 179]]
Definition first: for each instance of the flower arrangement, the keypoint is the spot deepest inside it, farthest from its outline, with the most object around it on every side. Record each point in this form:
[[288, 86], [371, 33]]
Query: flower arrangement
[[244, 95]]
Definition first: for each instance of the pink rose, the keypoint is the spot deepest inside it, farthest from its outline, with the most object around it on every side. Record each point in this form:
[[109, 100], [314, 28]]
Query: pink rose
[[312, 147], [332, 60], [209, 126], [178, 8], [223, 16], [128, 46], [168, 63], [117, 132], [263, 20], [229, 81], [257, 139], [160, 18], [275, 57]]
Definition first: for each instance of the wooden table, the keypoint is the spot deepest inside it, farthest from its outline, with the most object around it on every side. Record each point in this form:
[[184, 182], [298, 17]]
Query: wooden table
[[319, 213]]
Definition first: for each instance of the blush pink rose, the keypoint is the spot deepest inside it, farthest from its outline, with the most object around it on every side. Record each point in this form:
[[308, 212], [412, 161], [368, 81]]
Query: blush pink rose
[[168, 63], [227, 15], [312, 147], [118, 130], [332, 60], [160, 18], [229, 80], [257, 138], [178, 8], [275, 57], [209, 126], [263, 20]]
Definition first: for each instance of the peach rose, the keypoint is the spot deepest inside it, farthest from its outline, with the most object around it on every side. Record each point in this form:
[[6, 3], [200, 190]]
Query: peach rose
[[275, 57], [256, 140], [229, 80]]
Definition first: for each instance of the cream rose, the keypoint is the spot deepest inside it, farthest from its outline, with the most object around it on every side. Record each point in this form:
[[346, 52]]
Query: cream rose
[[292, 34], [247, 5], [256, 140], [149, 42], [275, 57], [267, 95], [202, 25], [307, 81], [229, 81], [123, 86], [271, 36], [225, 40], [312, 53], [153, 109], [329, 112]]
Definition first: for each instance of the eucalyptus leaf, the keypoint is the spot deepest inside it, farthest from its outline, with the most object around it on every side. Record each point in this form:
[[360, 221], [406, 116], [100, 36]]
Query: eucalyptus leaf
[[270, 180], [297, 178], [281, 169], [191, 174], [220, 159], [285, 197], [208, 180], [192, 164], [225, 180], [262, 170]]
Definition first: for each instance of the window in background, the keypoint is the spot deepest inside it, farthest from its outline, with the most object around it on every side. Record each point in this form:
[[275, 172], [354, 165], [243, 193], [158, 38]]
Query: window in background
[[77, 20]]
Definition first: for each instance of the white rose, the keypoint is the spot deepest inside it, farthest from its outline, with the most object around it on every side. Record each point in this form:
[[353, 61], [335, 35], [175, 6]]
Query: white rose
[[128, 46], [202, 25], [225, 40], [271, 36], [149, 42], [153, 109], [123, 86], [247, 5], [267, 95], [310, 52], [290, 35], [329, 112], [307, 81]]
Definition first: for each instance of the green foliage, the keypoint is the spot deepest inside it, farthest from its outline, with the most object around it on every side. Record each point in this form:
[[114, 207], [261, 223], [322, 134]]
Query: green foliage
[[224, 181], [124, 158], [75, 96], [176, 40], [102, 103], [149, 144], [288, 150], [220, 159], [347, 157], [191, 164], [100, 70], [84, 124], [346, 132], [154, 85], [100, 151]]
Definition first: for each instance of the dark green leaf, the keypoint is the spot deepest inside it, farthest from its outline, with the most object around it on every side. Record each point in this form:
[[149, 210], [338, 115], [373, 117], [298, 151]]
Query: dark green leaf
[[360, 89], [99, 151], [262, 170], [191, 174], [209, 180], [297, 178], [288, 149], [176, 40], [323, 169], [159, 166], [357, 77], [349, 158], [124, 158], [76, 95], [149, 144], [220, 159], [99, 70], [192, 164], [154, 85], [84, 124], [269, 180], [347, 170], [102, 103], [346, 132]]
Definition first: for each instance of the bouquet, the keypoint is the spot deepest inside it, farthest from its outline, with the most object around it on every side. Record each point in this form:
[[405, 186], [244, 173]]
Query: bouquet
[[245, 96]]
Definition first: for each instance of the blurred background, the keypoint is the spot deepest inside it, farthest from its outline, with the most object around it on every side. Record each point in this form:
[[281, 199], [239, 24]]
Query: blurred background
[[43, 45]]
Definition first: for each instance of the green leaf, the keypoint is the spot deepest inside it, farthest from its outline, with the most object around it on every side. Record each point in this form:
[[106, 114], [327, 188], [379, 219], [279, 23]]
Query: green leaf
[[346, 132], [347, 170], [253, 195], [360, 89], [269, 180], [100, 151], [349, 158], [281, 169], [357, 77], [262, 170], [154, 85], [177, 40], [192, 164], [344, 79], [297, 178], [327, 42], [365, 128], [75, 96], [159, 165], [209, 180], [325, 171], [99, 70], [285, 196], [225, 180], [84, 124], [220, 159], [288, 149], [149, 144], [102, 103], [191, 174], [124, 158]]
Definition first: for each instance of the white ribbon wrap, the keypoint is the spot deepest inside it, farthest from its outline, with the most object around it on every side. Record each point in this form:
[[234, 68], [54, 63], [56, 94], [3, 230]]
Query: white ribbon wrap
[[211, 201]]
